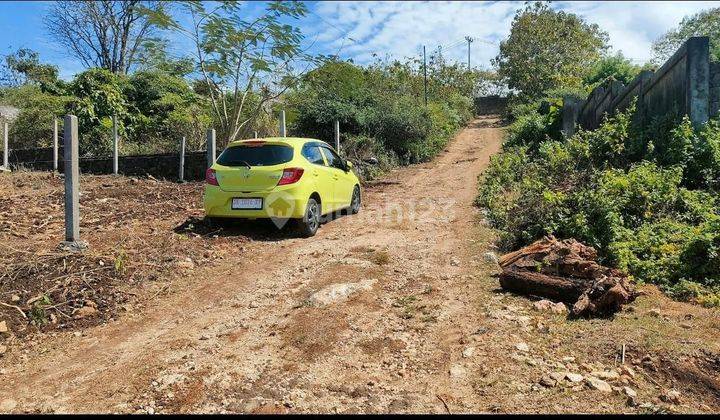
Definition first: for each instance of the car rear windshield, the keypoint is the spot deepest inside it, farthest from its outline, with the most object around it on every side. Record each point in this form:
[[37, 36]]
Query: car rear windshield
[[256, 155]]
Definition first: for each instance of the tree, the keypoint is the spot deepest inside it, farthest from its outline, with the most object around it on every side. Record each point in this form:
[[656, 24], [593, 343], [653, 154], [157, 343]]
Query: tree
[[240, 57], [616, 66], [705, 23], [102, 33], [24, 66], [154, 57], [548, 49]]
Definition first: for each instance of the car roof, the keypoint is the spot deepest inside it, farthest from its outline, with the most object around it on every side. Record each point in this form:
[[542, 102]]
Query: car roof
[[294, 141]]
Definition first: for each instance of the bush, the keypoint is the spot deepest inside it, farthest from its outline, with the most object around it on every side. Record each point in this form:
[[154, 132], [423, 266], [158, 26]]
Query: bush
[[382, 102], [34, 126], [648, 203]]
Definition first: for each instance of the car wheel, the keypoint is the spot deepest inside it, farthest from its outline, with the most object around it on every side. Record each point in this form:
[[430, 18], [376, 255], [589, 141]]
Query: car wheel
[[216, 222], [355, 203], [309, 224]]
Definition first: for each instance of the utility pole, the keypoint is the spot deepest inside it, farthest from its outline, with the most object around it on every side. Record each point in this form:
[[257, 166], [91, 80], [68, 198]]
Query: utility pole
[[469, 41], [425, 73]]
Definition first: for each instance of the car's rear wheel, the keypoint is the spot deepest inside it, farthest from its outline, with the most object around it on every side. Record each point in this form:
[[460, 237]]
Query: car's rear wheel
[[309, 224], [216, 222], [355, 203]]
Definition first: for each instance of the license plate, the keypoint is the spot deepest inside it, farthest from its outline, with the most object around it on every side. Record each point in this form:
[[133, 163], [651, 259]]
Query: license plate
[[247, 203]]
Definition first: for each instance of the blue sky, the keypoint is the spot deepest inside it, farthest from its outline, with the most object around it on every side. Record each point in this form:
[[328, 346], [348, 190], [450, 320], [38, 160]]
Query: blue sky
[[358, 30]]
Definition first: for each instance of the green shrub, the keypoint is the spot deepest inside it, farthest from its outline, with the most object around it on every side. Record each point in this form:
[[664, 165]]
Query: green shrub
[[382, 101], [646, 201]]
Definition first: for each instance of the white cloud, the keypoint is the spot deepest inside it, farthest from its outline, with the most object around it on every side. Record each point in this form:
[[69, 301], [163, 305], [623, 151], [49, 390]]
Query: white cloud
[[401, 28]]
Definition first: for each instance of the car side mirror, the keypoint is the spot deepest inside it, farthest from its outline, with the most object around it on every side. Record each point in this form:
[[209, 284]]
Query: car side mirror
[[348, 165]]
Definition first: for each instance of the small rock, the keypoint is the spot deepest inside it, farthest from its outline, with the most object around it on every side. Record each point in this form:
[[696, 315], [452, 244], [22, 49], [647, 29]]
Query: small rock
[[542, 305], [686, 325], [586, 367], [523, 347], [3, 327], [574, 377], [77, 333], [3, 349], [84, 312], [454, 261], [468, 352], [549, 306], [522, 320], [608, 375], [598, 384], [186, 264], [15, 298], [490, 257], [457, 371], [629, 392], [339, 291], [568, 359], [204, 337], [557, 376], [654, 312], [7, 405], [627, 370], [671, 396], [149, 410], [547, 381], [253, 304]]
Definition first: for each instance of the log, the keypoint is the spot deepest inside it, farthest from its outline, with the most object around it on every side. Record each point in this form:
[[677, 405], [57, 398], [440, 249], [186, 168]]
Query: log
[[542, 285], [566, 271]]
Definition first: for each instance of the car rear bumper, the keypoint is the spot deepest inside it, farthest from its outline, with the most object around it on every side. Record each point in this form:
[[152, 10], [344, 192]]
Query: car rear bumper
[[278, 202]]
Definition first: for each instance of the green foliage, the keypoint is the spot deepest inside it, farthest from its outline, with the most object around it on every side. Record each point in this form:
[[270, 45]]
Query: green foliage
[[531, 126], [614, 67], [24, 67], [161, 109], [34, 126], [383, 102], [97, 96], [704, 23], [548, 49], [238, 55], [646, 199]]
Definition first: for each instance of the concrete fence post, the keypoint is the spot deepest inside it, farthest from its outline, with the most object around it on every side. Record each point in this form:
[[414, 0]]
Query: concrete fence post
[[337, 136], [210, 147], [181, 172], [6, 147], [115, 145], [283, 132], [72, 183], [698, 79], [55, 144]]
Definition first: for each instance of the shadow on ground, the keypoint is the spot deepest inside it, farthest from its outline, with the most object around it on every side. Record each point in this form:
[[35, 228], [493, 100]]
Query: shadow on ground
[[257, 230]]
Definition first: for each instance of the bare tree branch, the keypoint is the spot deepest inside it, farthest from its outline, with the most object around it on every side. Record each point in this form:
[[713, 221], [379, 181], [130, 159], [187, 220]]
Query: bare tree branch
[[102, 33]]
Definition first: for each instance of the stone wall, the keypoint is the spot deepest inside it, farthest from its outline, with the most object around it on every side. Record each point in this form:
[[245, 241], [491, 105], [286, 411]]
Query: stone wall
[[494, 104], [161, 166], [714, 88], [687, 84]]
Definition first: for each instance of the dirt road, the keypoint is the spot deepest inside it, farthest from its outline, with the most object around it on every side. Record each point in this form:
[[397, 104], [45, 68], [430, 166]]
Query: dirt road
[[392, 310]]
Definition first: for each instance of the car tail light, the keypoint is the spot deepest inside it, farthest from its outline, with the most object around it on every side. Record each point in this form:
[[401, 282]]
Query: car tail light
[[290, 176], [211, 177]]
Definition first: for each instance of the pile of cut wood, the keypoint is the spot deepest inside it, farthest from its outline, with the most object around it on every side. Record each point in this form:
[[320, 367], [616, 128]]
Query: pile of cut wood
[[566, 271]]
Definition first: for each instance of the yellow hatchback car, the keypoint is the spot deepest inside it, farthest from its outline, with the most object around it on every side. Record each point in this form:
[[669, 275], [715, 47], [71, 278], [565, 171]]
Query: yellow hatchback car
[[281, 178]]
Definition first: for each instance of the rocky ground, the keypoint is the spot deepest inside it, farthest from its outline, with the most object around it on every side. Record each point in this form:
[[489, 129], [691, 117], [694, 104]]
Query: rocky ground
[[396, 309]]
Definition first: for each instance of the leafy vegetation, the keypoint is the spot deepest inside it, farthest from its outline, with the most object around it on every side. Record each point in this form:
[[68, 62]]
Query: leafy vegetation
[[548, 49], [704, 23], [645, 198], [381, 108]]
